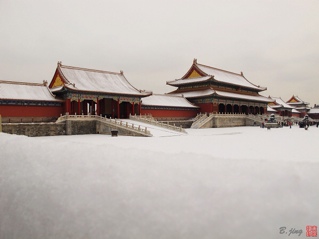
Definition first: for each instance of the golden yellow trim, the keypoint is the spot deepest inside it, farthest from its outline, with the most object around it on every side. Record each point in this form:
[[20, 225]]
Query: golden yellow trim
[[194, 74], [293, 100], [57, 82]]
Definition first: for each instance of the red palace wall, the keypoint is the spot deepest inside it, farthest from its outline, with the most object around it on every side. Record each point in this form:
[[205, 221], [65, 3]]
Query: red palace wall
[[161, 113], [30, 111], [207, 107]]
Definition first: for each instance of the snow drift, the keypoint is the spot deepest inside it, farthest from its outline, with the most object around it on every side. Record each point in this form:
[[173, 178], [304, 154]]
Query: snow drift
[[244, 182]]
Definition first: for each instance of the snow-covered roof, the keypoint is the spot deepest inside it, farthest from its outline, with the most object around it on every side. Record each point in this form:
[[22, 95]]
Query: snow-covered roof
[[302, 108], [280, 103], [82, 79], [244, 97], [205, 73], [195, 94], [228, 77], [208, 92], [296, 98], [295, 111], [11, 90], [269, 109], [313, 111], [179, 82], [167, 100]]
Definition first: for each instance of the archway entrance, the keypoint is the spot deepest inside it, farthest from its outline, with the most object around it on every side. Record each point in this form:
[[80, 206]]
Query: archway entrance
[[251, 110], [244, 109], [221, 108], [256, 110], [229, 108], [236, 109]]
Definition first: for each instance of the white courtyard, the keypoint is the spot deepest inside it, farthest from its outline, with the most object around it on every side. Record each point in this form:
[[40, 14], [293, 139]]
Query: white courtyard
[[243, 182]]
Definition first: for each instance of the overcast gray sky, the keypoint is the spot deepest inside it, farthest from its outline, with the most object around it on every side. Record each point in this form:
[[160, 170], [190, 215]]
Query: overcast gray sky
[[275, 43]]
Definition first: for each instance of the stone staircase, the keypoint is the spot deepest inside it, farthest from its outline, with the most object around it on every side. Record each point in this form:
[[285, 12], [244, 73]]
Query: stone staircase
[[104, 125], [199, 121], [152, 121]]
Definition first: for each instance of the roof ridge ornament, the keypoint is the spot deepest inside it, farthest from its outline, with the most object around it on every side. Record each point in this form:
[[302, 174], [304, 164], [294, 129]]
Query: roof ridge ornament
[[195, 61], [59, 63], [121, 72], [241, 73]]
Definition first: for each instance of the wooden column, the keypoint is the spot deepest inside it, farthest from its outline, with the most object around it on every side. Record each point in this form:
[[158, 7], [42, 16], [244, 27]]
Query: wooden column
[[215, 107], [118, 108], [133, 108], [79, 106], [67, 106], [97, 107], [140, 107], [113, 109]]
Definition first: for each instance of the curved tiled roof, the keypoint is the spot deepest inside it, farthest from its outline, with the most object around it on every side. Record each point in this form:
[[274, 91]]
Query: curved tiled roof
[[168, 101], [280, 103], [228, 77], [89, 80], [179, 82], [210, 91], [218, 75], [11, 90]]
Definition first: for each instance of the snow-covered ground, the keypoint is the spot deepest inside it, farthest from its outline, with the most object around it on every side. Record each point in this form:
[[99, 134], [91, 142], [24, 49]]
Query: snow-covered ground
[[243, 182]]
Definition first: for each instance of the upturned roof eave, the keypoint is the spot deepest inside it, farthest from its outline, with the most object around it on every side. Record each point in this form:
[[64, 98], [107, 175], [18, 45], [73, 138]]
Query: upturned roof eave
[[69, 85]]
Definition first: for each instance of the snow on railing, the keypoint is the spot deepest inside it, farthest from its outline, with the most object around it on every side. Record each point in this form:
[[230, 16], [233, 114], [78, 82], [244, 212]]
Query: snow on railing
[[150, 120], [202, 119], [199, 121], [114, 122]]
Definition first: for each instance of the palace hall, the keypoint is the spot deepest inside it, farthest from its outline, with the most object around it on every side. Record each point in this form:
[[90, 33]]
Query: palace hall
[[219, 91], [88, 91]]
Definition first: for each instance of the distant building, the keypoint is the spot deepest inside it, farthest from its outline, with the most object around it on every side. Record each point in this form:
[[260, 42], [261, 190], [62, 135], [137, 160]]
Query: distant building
[[281, 107], [314, 113], [220, 91], [299, 105]]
